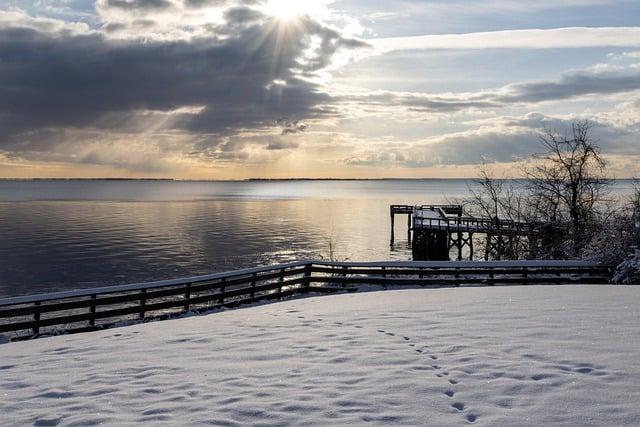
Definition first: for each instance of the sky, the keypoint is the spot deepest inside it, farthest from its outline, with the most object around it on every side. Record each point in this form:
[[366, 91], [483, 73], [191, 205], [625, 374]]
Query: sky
[[235, 89]]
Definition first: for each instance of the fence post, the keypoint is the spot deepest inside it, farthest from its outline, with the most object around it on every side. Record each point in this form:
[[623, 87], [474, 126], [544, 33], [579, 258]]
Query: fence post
[[281, 280], [36, 318], [143, 303], [344, 276], [392, 225], [254, 278], [187, 297], [525, 271], [92, 311], [307, 277], [222, 291]]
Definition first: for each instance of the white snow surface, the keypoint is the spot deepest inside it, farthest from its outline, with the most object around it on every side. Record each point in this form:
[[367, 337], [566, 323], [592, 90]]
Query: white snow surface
[[512, 356]]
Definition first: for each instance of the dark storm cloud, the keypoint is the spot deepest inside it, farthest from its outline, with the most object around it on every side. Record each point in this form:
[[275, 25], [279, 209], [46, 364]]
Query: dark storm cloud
[[74, 81]]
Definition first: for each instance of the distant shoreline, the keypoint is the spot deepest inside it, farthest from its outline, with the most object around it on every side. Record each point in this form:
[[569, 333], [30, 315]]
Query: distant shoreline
[[234, 180], [256, 179]]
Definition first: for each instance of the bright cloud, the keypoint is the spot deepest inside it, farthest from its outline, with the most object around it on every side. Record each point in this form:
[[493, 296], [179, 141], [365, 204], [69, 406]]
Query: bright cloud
[[223, 88], [557, 38]]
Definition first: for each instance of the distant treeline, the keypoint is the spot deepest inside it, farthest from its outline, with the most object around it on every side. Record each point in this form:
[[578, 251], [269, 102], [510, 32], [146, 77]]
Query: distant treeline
[[87, 179]]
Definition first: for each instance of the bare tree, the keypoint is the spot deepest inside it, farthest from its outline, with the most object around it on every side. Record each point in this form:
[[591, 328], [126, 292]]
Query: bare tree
[[496, 198], [499, 199], [634, 201], [567, 182], [486, 194]]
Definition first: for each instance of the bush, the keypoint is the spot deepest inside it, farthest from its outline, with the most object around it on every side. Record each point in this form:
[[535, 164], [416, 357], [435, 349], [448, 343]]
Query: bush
[[617, 238], [628, 271]]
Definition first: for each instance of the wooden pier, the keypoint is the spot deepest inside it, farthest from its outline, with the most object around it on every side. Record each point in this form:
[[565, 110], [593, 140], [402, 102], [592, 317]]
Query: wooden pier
[[409, 210], [436, 230]]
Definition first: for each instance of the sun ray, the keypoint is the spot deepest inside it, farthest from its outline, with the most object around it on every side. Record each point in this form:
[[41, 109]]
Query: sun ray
[[292, 10]]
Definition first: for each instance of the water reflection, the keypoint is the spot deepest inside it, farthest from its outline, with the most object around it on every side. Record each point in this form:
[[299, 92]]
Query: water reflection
[[80, 237]]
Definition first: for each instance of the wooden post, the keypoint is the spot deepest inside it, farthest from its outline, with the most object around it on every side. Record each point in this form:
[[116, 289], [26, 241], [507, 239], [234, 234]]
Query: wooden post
[[254, 278], [307, 277], [92, 310], [36, 318], [281, 281], [344, 276], [409, 226], [392, 225], [470, 246], [187, 296], [222, 291], [143, 303]]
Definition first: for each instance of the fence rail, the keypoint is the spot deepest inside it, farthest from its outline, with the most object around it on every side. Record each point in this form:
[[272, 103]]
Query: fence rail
[[92, 309]]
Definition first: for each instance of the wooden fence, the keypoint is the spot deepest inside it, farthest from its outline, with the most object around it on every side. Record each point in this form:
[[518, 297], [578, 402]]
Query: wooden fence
[[92, 309]]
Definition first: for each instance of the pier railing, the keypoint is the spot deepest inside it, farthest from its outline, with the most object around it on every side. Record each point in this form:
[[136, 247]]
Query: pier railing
[[93, 309], [471, 224]]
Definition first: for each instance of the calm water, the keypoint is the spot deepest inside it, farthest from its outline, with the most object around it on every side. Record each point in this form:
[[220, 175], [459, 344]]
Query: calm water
[[57, 235]]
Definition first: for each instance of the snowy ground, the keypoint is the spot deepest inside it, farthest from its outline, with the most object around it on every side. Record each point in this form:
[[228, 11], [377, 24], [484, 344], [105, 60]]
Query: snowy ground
[[488, 356]]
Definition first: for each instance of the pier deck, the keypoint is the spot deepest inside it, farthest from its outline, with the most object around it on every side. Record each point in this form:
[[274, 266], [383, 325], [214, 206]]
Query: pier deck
[[433, 230]]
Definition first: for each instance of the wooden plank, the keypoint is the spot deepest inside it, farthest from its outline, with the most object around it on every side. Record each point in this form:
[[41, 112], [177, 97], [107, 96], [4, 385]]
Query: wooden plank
[[461, 280], [331, 290], [450, 271]]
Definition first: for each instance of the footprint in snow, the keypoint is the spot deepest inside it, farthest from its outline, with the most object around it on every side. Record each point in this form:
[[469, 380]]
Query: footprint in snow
[[459, 406]]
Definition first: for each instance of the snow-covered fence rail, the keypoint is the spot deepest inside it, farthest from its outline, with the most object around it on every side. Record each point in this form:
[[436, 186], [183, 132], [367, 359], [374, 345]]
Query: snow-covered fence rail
[[460, 273], [91, 309]]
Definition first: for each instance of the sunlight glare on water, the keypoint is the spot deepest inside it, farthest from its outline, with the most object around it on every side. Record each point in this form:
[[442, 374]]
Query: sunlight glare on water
[[59, 235]]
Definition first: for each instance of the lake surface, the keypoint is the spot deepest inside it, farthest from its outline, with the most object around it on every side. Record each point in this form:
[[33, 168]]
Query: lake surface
[[58, 235]]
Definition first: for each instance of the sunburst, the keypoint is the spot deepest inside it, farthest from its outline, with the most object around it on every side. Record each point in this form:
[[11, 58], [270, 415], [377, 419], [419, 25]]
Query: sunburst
[[291, 10]]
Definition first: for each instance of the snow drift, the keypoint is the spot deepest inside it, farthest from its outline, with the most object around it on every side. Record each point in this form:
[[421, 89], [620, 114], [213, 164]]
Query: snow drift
[[534, 355]]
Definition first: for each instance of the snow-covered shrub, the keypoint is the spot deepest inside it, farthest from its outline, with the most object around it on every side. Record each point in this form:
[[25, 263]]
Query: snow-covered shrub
[[628, 271], [618, 241], [614, 242]]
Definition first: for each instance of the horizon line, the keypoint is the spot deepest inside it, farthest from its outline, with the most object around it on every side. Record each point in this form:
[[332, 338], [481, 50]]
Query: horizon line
[[276, 179]]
